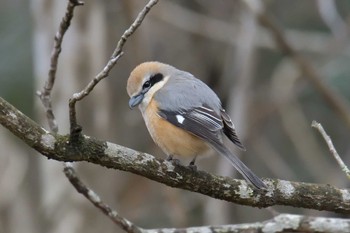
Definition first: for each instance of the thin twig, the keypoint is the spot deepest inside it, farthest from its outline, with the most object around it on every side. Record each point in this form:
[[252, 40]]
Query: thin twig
[[45, 93], [104, 73], [96, 201], [331, 147]]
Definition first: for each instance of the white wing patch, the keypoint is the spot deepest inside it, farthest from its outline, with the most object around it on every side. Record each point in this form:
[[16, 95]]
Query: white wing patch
[[180, 119]]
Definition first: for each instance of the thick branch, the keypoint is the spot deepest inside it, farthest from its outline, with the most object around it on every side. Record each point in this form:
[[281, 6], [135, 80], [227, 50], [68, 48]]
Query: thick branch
[[55, 146]]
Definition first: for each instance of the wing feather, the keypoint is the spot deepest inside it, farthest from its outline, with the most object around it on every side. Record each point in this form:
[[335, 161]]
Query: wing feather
[[202, 125], [206, 124], [229, 129]]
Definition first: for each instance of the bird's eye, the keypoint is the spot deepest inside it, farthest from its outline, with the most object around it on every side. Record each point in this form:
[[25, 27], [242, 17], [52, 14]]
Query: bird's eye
[[146, 85]]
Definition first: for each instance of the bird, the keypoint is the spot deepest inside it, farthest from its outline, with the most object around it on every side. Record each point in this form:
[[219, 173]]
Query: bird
[[183, 115]]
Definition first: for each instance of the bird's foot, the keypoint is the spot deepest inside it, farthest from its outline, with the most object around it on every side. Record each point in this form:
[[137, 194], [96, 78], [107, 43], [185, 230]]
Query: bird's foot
[[174, 161], [193, 167]]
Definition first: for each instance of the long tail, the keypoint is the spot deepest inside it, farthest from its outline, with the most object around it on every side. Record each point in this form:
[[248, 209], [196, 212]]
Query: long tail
[[239, 165]]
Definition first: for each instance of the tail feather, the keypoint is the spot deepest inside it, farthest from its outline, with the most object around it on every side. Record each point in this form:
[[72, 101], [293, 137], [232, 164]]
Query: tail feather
[[240, 166]]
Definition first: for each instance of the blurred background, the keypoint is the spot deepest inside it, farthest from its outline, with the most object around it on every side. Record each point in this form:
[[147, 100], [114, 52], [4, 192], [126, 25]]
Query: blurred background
[[269, 98]]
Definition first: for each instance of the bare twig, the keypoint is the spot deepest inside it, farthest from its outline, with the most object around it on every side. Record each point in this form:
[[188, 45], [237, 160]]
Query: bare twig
[[334, 100], [74, 127], [331, 147], [45, 94], [96, 201]]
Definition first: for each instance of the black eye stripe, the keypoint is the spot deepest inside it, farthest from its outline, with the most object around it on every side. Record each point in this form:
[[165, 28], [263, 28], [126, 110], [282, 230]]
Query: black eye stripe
[[156, 78], [152, 80]]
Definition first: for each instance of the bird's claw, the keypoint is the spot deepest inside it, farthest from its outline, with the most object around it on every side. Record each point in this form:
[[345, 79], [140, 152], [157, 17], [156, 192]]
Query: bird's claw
[[174, 161]]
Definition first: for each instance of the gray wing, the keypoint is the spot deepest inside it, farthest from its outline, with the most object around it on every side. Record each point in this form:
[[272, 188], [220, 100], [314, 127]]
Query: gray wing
[[229, 130]]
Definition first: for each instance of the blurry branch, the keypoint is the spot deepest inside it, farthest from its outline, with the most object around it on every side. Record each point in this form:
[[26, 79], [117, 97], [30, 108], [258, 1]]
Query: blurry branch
[[75, 129], [331, 97], [279, 192], [331, 17], [338, 26], [268, 151], [283, 82], [221, 31], [45, 94], [331, 147]]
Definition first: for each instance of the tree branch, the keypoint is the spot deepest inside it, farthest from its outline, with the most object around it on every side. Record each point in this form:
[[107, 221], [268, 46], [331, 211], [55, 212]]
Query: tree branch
[[279, 192]]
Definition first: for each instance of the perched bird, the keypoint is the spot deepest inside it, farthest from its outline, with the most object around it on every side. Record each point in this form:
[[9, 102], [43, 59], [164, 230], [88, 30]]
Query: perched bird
[[183, 115]]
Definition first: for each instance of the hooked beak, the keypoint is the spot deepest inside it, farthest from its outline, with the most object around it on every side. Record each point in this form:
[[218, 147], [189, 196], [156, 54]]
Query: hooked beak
[[136, 100]]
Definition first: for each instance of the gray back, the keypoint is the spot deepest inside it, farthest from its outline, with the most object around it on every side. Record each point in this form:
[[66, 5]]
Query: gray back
[[183, 91]]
